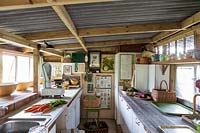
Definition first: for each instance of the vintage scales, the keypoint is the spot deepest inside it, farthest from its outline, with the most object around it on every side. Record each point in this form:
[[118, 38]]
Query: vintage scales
[[48, 90]]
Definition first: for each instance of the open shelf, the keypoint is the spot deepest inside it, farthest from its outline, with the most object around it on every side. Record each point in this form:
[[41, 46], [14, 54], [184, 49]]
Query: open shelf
[[182, 61]]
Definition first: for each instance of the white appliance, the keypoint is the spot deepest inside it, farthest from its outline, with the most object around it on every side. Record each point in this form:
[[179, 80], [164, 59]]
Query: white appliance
[[48, 90], [144, 77]]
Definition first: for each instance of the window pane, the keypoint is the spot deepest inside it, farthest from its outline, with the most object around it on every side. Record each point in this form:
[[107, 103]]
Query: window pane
[[160, 49], [185, 85], [180, 47], [8, 68], [172, 48], [22, 69], [189, 43], [31, 69]]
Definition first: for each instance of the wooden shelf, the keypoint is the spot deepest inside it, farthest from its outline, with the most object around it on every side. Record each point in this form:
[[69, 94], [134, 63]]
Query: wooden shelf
[[182, 61]]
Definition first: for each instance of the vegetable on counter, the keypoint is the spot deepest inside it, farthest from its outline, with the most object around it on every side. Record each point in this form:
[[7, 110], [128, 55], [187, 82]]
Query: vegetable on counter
[[45, 107]]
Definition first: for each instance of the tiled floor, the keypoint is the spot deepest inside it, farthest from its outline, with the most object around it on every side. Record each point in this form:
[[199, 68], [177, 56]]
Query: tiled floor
[[112, 127]]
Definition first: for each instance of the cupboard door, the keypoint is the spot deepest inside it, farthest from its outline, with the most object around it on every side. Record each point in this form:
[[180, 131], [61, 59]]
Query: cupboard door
[[128, 117], [140, 127], [77, 111]]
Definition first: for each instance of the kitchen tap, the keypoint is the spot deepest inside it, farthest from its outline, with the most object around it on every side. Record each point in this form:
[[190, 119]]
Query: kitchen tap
[[194, 102]]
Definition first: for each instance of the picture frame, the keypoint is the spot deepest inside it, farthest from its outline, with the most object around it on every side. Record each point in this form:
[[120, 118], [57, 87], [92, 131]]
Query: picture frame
[[94, 59], [67, 69], [108, 63]]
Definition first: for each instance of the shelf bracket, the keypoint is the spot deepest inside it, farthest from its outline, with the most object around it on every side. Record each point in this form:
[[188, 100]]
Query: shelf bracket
[[164, 68]]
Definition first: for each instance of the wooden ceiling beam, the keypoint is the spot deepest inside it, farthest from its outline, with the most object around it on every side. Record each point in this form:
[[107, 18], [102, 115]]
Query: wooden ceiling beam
[[192, 20], [16, 40], [104, 43], [65, 17], [117, 30], [24, 4]]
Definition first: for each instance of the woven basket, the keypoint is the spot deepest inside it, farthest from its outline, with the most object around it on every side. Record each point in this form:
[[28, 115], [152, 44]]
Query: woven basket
[[144, 60], [163, 95], [91, 103]]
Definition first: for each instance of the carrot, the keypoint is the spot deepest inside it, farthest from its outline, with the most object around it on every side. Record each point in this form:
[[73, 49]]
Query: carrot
[[47, 109], [43, 107]]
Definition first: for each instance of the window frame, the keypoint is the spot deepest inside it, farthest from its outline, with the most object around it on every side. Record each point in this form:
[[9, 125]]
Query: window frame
[[16, 55]]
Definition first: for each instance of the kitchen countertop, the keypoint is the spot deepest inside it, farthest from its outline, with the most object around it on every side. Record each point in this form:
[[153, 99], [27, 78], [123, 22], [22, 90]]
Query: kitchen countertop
[[150, 117], [52, 115]]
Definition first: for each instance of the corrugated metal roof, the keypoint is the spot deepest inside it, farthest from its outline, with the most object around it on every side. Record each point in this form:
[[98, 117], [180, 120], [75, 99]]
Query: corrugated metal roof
[[60, 41], [119, 37], [31, 20], [128, 12]]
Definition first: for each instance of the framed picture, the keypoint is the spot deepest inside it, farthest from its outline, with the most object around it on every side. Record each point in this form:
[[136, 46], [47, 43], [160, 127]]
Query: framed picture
[[94, 59], [107, 62], [67, 69]]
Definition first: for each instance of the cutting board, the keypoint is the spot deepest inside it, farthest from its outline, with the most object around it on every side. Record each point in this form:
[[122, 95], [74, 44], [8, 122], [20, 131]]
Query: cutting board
[[172, 108]]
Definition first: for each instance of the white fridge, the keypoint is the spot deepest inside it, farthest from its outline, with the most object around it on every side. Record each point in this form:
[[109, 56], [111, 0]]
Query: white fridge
[[144, 79]]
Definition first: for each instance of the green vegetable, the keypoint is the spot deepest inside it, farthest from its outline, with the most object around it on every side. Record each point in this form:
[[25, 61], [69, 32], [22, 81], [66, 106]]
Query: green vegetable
[[56, 103]]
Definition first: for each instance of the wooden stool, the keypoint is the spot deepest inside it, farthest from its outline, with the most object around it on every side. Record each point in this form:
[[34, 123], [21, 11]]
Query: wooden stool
[[92, 110]]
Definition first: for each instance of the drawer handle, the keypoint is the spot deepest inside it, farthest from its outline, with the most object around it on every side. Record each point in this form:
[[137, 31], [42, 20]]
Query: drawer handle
[[138, 123]]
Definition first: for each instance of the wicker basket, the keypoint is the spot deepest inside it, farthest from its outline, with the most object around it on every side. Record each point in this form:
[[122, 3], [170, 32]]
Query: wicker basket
[[91, 102], [163, 95], [144, 60]]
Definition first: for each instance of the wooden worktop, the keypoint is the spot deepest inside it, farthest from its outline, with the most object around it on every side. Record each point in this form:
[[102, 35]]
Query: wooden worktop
[[150, 117]]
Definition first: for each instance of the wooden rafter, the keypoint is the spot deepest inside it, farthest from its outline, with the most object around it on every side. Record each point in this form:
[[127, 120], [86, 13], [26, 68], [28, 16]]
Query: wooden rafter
[[104, 43], [10, 38], [117, 30], [192, 20], [65, 17], [23, 4]]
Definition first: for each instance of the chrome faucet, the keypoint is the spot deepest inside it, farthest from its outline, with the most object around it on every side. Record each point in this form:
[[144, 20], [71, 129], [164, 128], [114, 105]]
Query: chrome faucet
[[194, 102]]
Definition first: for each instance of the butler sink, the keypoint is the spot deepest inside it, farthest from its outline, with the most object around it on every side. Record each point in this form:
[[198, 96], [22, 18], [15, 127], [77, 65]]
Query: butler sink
[[20, 125]]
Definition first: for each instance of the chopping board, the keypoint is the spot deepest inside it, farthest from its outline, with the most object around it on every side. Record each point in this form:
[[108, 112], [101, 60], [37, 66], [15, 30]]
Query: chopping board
[[172, 108]]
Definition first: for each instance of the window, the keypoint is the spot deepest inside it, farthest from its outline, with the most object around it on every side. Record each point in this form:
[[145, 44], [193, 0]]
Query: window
[[172, 48], [185, 81], [189, 43], [180, 47], [22, 69], [9, 67], [160, 48], [17, 68]]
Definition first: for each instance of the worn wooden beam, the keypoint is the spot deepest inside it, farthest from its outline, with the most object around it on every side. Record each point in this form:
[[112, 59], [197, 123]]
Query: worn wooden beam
[[104, 43], [17, 40], [194, 19], [65, 17], [117, 30], [36, 70], [24, 4]]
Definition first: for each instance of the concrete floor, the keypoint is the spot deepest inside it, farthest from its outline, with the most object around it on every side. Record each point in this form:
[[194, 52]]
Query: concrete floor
[[112, 127]]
